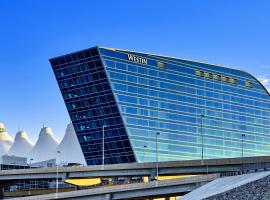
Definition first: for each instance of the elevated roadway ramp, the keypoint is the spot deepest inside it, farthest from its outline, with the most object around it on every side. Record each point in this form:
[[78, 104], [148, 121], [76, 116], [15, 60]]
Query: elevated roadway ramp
[[152, 189], [226, 184]]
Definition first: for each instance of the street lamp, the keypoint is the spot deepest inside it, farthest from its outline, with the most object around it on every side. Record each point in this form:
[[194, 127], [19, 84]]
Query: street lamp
[[56, 190], [157, 134], [242, 139], [103, 140], [202, 159], [30, 162]]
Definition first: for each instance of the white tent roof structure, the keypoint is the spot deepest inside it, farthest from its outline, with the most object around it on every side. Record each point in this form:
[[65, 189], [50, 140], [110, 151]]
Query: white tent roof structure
[[21, 146], [69, 150], [5, 140], [45, 147]]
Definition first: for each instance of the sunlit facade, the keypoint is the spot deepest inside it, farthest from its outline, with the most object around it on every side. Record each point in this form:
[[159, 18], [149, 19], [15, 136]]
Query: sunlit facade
[[184, 109]]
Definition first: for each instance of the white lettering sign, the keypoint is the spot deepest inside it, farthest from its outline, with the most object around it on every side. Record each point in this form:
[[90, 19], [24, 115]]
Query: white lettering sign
[[137, 59]]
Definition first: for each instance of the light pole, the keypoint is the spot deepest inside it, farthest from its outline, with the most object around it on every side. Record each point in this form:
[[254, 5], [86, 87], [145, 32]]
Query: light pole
[[103, 149], [242, 140], [56, 190], [30, 162], [157, 134], [202, 147]]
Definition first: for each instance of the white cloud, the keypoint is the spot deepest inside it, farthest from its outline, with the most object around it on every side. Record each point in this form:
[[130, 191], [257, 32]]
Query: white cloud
[[265, 66], [264, 81], [264, 78]]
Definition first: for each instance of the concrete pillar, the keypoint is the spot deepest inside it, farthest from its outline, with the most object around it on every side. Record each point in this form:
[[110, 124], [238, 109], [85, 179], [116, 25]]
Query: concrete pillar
[[153, 174], [108, 197], [1, 192]]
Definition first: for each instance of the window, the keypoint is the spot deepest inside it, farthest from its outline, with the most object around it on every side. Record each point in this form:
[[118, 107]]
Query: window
[[162, 65], [232, 81], [224, 79], [248, 84], [216, 77], [199, 73], [206, 74]]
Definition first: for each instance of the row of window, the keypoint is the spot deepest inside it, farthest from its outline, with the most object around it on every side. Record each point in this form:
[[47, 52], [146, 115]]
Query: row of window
[[92, 90], [110, 147], [183, 68], [193, 133], [189, 92], [179, 81], [145, 156], [111, 160], [191, 127], [175, 63], [77, 81], [223, 103], [144, 112], [89, 102], [190, 108], [75, 69], [213, 144], [114, 131], [176, 76], [94, 113], [221, 78], [89, 53], [96, 124], [179, 146]]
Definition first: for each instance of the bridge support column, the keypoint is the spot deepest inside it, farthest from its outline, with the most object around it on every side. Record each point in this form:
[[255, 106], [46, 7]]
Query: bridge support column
[[2, 192], [153, 174]]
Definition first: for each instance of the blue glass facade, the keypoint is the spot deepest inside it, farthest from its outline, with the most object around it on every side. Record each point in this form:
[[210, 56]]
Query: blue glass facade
[[196, 108]]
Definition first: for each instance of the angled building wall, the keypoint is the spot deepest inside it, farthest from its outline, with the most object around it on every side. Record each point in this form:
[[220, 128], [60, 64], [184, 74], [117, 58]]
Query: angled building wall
[[91, 105]]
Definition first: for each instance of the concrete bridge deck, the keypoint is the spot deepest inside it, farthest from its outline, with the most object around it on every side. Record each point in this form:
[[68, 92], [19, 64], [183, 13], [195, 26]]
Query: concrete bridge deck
[[142, 169]]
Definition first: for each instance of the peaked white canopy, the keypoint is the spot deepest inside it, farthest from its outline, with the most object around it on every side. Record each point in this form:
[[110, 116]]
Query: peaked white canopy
[[5, 140], [21, 146], [69, 150], [45, 147]]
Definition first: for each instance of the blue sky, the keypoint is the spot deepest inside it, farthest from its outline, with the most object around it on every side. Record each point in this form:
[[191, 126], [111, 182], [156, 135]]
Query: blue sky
[[229, 32]]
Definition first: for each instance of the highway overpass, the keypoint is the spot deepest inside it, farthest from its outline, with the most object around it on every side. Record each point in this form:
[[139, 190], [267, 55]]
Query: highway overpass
[[154, 189], [226, 165], [194, 167]]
